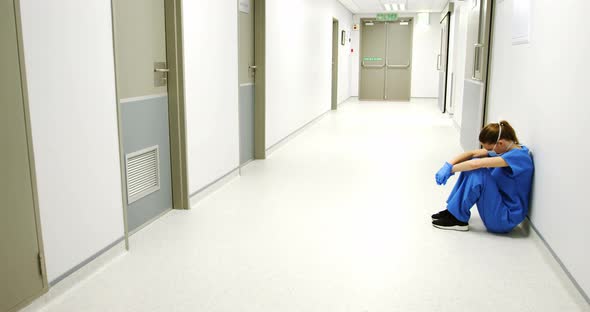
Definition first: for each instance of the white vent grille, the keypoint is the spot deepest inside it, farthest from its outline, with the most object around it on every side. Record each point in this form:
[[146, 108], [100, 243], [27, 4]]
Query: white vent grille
[[143, 173]]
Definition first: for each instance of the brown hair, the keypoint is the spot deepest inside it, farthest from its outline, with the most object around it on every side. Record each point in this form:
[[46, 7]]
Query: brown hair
[[489, 134]]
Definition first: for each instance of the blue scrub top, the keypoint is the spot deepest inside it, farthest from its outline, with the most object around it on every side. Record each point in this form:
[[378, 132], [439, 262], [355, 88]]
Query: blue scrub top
[[514, 182]]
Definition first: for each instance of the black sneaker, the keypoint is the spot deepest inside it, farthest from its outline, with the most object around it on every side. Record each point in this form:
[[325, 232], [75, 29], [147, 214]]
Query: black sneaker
[[450, 223], [441, 214]]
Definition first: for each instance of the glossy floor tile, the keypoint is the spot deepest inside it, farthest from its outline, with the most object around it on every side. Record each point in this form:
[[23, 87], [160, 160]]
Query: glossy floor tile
[[337, 219]]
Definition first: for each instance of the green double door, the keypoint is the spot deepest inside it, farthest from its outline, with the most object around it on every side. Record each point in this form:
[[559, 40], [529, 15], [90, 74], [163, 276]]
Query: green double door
[[21, 276], [386, 60]]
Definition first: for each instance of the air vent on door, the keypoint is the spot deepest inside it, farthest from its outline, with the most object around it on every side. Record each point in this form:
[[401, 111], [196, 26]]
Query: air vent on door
[[143, 173]]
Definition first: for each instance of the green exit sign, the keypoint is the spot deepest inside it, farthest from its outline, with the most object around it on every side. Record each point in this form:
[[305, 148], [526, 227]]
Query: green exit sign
[[387, 17], [368, 59]]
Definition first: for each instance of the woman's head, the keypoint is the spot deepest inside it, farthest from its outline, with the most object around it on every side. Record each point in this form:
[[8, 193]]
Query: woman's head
[[498, 136]]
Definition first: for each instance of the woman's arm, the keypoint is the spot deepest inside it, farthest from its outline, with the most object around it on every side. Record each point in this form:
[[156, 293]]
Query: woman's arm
[[477, 163], [480, 153]]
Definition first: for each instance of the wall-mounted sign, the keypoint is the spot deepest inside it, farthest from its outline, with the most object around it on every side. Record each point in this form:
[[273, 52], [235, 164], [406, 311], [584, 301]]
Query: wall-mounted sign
[[521, 22], [245, 6], [387, 17], [369, 59]]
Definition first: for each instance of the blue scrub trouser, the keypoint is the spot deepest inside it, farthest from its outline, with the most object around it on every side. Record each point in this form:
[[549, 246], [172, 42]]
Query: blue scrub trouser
[[479, 187]]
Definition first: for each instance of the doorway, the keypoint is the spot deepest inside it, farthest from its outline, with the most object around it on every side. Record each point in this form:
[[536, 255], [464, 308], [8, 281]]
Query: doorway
[[442, 64], [335, 40], [252, 79], [151, 110], [247, 75], [476, 72], [22, 268], [386, 60]]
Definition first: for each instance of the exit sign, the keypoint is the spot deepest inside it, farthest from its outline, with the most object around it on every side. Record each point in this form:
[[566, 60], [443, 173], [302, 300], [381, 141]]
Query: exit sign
[[387, 17]]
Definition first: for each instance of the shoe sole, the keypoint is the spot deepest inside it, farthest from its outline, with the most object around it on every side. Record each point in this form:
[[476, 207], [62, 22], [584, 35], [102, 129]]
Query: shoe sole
[[461, 228]]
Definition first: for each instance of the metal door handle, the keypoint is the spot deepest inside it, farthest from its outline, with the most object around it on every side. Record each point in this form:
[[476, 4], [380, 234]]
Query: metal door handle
[[372, 66], [161, 70], [399, 66], [252, 67], [476, 60]]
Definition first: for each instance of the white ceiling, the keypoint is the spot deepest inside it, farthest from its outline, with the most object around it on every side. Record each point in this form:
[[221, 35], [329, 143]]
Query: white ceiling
[[376, 6]]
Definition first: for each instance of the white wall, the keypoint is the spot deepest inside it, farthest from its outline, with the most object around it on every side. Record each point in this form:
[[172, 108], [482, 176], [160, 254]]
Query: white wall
[[542, 89], [70, 74], [211, 89], [298, 64], [425, 77], [426, 46]]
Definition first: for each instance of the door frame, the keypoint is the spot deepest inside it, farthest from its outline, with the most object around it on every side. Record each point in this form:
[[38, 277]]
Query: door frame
[[446, 13], [260, 79], [335, 58], [488, 64], [32, 168], [176, 110]]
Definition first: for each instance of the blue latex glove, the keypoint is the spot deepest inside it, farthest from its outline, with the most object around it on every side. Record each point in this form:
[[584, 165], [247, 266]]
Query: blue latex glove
[[444, 174]]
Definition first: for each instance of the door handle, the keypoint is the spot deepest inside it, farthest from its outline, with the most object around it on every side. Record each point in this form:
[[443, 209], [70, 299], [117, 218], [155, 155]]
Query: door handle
[[476, 60], [160, 74], [252, 67], [399, 66], [438, 57], [372, 66]]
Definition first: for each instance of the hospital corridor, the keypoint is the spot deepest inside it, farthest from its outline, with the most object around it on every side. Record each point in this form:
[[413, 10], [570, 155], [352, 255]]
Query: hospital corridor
[[340, 222], [277, 156]]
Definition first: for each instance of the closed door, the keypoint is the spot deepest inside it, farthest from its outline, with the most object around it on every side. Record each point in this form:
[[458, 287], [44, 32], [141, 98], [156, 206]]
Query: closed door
[[373, 54], [142, 76], [246, 72], [335, 43], [399, 61], [443, 63], [20, 266], [476, 64], [386, 60]]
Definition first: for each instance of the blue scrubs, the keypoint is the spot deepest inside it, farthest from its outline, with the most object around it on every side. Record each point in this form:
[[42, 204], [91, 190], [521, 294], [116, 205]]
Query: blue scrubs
[[501, 194]]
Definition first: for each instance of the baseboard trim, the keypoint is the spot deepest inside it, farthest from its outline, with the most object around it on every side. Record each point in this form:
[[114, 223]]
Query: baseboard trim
[[78, 274], [563, 267], [210, 188], [273, 148], [152, 220]]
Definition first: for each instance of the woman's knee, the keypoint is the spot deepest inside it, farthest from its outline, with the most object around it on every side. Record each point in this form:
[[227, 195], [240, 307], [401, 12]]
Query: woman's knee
[[476, 174]]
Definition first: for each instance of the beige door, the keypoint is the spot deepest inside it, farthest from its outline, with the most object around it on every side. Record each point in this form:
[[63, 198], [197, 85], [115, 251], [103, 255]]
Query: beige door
[[399, 61], [247, 73], [386, 60], [373, 53], [260, 81], [335, 43], [20, 269], [142, 72]]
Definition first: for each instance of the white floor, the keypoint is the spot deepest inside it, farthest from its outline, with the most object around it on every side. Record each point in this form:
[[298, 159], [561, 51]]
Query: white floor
[[337, 219]]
